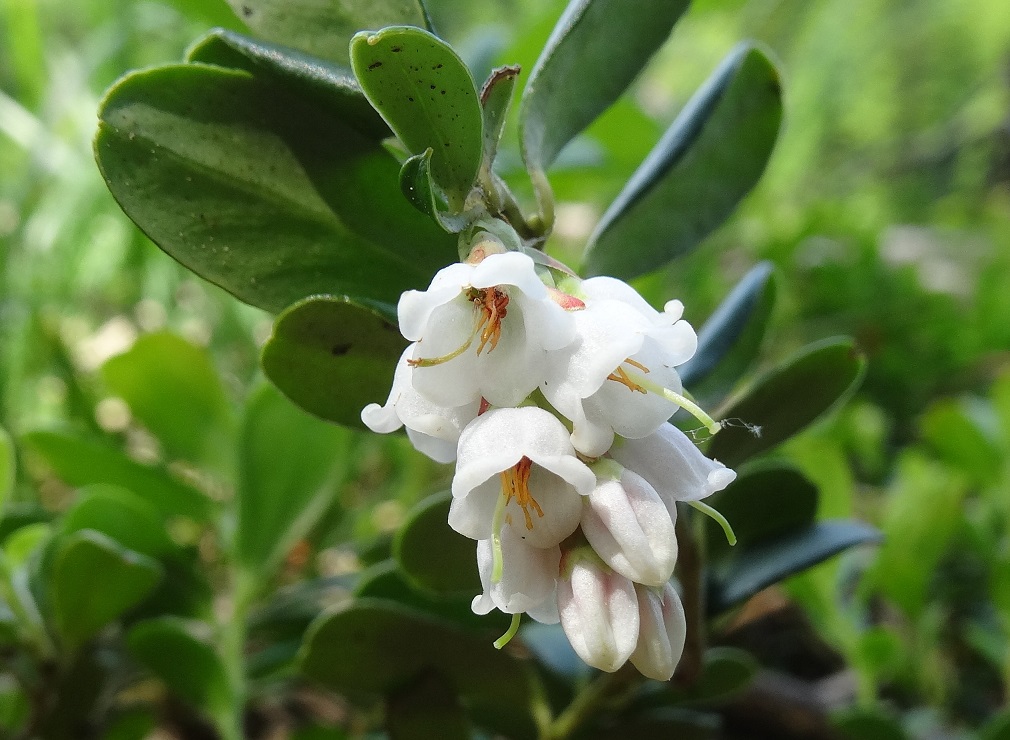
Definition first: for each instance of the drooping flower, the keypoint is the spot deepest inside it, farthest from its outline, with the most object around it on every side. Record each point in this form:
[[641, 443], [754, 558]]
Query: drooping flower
[[598, 609], [629, 526], [527, 581], [432, 429], [606, 380], [516, 468], [483, 331], [662, 632], [673, 465]]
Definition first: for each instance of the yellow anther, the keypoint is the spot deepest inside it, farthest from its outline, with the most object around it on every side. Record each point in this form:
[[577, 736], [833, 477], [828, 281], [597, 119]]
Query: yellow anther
[[515, 484]]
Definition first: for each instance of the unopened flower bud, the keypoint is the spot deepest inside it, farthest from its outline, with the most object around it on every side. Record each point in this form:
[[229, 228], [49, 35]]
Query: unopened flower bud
[[662, 632]]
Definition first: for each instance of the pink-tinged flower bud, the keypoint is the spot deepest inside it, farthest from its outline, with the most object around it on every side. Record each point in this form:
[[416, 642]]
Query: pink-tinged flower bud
[[673, 464], [662, 632], [598, 609], [629, 525]]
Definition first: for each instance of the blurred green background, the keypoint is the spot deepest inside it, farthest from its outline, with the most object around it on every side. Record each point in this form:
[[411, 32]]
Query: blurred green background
[[885, 210]]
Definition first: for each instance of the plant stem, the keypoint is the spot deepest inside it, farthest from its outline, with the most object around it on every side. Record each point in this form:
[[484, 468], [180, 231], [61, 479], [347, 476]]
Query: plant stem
[[230, 719], [588, 701], [691, 572]]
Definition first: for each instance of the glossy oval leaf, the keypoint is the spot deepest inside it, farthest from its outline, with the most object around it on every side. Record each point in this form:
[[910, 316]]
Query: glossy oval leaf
[[787, 399], [322, 27], [764, 502], [173, 388], [750, 569], [121, 515], [80, 461], [495, 101], [332, 356], [290, 466], [709, 158], [327, 84], [7, 466], [425, 93], [264, 193], [180, 653], [372, 646], [596, 49], [728, 342], [94, 580], [431, 554]]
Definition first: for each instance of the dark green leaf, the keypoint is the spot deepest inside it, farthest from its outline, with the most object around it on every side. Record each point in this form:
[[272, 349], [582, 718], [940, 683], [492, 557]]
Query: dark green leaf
[[997, 728], [432, 555], [371, 646], [495, 99], [180, 653], [324, 28], [749, 570], [597, 48], [121, 515], [728, 342], [172, 387], [426, 708], [7, 466], [708, 159], [663, 722], [425, 93], [329, 85], [263, 193], [94, 580], [726, 671], [763, 503], [868, 723], [386, 581], [290, 465], [328, 343], [80, 461], [787, 399], [417, 186]]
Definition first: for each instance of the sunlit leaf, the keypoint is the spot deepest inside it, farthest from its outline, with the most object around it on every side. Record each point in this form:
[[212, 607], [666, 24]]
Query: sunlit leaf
[[332, 356], [324, 28], [121, 515], [260, 191], [425, 93], [708, 159]]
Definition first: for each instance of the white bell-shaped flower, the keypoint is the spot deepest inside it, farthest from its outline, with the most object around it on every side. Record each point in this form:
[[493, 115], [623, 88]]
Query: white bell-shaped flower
[[516, 467], [527, 582], [662, 633], [433, 429], [673, 465], [606, 380], [598, 610], [483, 330], [629, 525]]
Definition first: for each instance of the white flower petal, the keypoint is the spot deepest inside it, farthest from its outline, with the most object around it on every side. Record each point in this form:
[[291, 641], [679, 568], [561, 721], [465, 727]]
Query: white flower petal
[[528, 575], [509, 268], [662, 635], [416, 306], [673, 465]]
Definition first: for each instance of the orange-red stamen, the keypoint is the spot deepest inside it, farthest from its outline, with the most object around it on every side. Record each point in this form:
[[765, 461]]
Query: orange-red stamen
[[515, 483]]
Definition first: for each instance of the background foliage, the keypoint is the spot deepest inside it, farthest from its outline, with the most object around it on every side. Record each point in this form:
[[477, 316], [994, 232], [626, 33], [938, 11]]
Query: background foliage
[[884, 212]]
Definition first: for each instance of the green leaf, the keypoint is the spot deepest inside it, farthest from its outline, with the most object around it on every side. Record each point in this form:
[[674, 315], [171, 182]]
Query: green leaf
[[327, 343], [868, 723], [290, 465], [172, 387], [80, 461], [764, 502], [329, 85], [323, 28], [417, 186], [596, 49], [181, 654], [94, 580], [726, 671], [495, 99], [751, 569], [425, 93], [951, 429], [431, 554], [7, 466], [264, 193], [427, 707], [787, 399], [121, 515], [708, 159], [373, 646], [728, 342], [387, 581]]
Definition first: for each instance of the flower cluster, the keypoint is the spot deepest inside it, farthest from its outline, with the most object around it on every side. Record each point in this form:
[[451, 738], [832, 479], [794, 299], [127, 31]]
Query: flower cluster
[[552, 395]]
